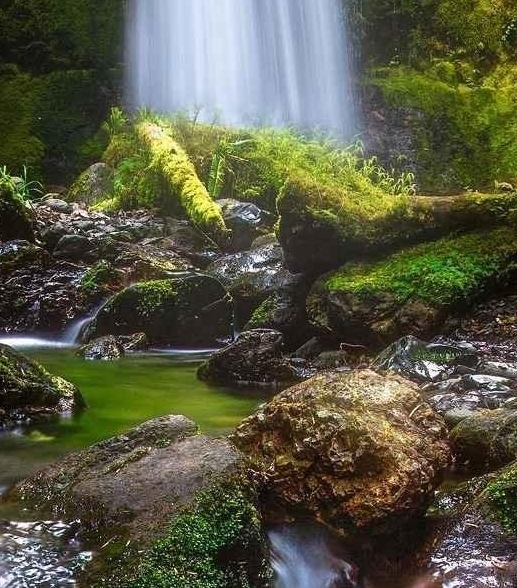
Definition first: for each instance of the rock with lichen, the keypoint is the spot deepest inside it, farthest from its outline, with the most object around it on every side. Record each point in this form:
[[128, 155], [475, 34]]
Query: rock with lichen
[[358, 451]]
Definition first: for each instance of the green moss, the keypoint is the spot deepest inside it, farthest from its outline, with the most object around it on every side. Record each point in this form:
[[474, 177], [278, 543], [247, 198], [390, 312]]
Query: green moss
[[502, 493], [216, 542], [97, 280], [263, 316], [451, 271], [467, 135], [15, 219]]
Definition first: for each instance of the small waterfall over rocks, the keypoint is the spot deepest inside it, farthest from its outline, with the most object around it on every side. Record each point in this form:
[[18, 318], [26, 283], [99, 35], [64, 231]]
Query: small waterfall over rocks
[[243, 62]]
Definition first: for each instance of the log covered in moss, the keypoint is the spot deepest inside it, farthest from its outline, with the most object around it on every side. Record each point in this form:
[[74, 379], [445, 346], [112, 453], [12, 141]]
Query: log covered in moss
[[171, 161], [323, 226], [413, 291]]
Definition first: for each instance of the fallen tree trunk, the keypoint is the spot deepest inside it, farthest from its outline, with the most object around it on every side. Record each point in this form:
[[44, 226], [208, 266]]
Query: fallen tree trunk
[[172, 163], [322, 227], [414, 290]]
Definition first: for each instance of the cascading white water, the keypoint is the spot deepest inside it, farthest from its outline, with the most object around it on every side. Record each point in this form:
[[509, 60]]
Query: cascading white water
[[245, 62], [303, 556]]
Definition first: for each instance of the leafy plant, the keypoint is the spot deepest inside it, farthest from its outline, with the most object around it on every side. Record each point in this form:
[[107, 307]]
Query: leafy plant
[[23, 188], [116, 123], [222, 164]]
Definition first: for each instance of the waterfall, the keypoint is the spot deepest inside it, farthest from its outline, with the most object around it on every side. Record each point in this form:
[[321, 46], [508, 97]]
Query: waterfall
[[244, 62], [305, 556]]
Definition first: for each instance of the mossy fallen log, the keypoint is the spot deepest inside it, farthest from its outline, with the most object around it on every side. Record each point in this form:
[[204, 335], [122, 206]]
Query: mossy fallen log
[[415, 290], [323, 226], [172, 163]]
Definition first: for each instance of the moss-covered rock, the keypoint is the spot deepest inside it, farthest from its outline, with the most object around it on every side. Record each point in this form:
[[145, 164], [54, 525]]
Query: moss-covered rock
[[27, 390], [413, 291], [358, 451], [15, 219], [322, 226], [190, 310]]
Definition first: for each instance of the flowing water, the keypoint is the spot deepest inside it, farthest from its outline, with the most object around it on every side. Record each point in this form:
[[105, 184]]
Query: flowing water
[[119, 395], [244, 62]]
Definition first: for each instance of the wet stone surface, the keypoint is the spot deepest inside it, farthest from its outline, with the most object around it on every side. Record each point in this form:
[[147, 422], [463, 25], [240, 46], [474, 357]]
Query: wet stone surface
[[45, 553]]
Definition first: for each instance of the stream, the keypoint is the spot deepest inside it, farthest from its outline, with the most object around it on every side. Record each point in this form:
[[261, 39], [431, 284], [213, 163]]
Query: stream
[[119, 394]]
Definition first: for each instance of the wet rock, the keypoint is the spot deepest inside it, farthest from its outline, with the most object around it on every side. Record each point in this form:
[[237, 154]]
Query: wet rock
[[358, 451], [252, 276], [486, 440], [15, 218], [105, 348], [283, 311], [92, 185], [73, 248], [254, 359], [28, 391], [246, 221], [135, 480], [58, 205], [310, 349], [19, 254], [188, 310], [135, 342], [476, 545], [424, 362], [331, 360]]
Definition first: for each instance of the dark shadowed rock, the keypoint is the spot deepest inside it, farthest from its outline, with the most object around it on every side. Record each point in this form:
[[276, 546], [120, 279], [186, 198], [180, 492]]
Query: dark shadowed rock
[[358, 451], [486, 440], [188, 310], [73, 247], [16, 255], [254, 359], [27, 390], [92, 185], [15, 218]]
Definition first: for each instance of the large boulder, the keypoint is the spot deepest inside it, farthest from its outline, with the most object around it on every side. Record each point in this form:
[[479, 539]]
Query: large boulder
[[412, 292], [92, 185], [175, 499], [188, 310], [358, 451], [15, 219], [253, 359], [28, 391]]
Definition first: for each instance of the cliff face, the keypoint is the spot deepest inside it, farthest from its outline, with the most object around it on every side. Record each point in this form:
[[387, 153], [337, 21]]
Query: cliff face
[[439, 79], [59, 73]]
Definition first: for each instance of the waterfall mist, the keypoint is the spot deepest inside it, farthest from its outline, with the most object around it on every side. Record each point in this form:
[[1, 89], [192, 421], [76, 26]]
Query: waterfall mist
[[243, 62]]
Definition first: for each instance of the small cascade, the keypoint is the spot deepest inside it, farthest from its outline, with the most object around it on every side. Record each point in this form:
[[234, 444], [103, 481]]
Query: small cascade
[[72, 334], [307, 556]]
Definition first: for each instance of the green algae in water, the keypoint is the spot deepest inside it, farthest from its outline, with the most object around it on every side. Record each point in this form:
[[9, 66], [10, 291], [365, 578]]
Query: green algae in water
[[120, 395]]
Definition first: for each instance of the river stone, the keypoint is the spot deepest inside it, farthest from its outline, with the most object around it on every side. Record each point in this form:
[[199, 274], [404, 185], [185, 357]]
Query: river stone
[[105, 348], [486, 440], [246, 221], [358, 451], [474, 544], [135, 480], [254, 359], [27, 390], [188, 310]]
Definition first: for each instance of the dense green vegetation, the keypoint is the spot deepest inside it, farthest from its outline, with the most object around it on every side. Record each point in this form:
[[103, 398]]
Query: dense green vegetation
[[455, 63], [57, 81], [503, 495], [209, 545], [453, 270]]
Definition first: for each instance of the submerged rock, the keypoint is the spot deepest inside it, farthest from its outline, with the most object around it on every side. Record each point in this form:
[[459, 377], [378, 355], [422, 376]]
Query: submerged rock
[[358, 451], [28, 391], [254, 359], [188, 310]]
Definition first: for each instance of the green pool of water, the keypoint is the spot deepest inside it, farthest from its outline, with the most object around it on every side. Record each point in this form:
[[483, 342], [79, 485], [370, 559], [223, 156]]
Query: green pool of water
[[120, 395]]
